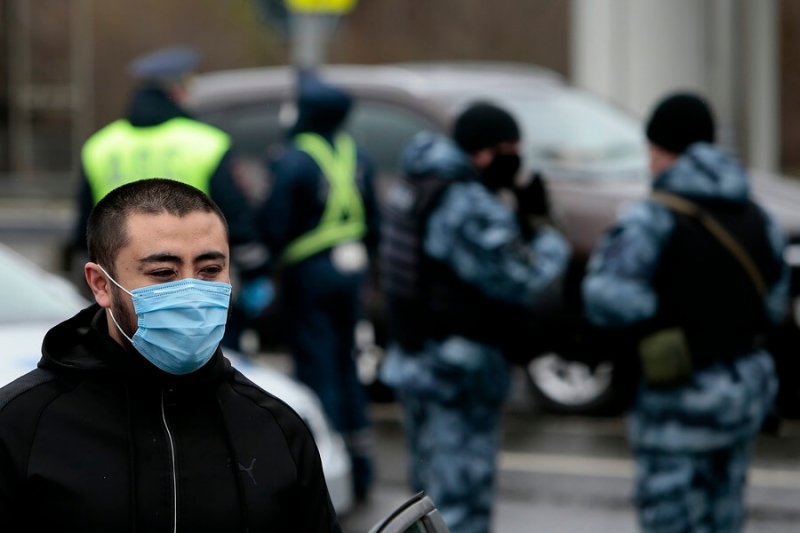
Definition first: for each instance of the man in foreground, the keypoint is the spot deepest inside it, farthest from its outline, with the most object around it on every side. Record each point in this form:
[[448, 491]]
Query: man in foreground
[[692, 278], [134, 420]]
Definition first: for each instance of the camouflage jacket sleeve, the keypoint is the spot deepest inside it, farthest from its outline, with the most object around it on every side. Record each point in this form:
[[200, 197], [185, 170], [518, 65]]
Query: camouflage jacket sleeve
[[617, 289], [478, 237]]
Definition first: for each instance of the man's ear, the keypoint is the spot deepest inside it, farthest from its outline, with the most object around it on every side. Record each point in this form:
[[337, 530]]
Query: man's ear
[[99, 283]]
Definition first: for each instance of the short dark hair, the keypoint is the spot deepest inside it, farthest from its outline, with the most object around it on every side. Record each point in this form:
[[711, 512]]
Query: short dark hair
[[106, 231], [680, 120], [484, 125]]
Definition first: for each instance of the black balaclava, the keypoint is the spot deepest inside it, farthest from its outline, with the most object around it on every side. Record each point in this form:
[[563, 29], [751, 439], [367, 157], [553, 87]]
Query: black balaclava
[[484, 125], [680, 120]]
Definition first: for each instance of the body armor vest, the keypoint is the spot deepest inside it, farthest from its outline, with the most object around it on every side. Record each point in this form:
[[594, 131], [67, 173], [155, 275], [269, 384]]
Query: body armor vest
[[704, 289], [425, 299]]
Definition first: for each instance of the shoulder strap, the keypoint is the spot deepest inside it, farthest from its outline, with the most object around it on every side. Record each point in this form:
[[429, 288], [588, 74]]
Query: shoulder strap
[[682, 205]]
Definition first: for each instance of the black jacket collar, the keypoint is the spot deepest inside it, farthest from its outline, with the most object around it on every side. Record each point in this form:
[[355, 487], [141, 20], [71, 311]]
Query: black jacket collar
[[82, 345], [151, 106]]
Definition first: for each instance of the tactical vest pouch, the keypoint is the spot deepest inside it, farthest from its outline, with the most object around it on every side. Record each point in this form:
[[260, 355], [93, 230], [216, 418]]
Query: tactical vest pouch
[[665, 358]]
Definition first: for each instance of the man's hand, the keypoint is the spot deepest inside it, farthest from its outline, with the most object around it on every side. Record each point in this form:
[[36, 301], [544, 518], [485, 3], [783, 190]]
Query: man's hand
[[533, 205], [533, 199]]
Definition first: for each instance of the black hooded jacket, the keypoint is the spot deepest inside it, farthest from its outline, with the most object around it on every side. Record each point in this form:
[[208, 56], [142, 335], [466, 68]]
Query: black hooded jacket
[[98, 439]]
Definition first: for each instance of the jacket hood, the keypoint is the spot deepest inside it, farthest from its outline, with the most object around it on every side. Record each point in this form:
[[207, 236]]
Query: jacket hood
[[82, 344], [321, 108], [431, 154], [706, 172], [151, 106]]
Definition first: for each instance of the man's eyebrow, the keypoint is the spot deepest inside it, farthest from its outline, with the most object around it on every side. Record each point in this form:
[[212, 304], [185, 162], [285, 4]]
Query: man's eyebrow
[[160, 258], [165, 257], [211, 256]]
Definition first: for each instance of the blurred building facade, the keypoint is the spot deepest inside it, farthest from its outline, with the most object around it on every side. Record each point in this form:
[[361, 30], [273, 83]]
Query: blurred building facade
[[633, 51], [62, 62], [63, 66]]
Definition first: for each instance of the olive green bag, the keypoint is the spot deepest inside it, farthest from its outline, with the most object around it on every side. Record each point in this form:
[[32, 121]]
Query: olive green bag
[[665, 357]]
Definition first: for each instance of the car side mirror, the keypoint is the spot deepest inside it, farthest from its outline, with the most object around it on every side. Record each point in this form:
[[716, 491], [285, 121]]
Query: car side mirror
[[417, 515]]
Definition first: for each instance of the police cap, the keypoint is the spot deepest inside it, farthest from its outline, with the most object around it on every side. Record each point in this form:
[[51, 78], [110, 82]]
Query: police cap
[[166, 65]]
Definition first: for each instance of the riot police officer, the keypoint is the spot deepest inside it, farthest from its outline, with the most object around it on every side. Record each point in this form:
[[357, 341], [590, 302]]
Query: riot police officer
[[462, 274], [691, 278]]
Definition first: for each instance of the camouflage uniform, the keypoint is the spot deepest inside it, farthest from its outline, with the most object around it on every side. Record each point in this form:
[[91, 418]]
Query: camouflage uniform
[[692, 442], [453, 389]]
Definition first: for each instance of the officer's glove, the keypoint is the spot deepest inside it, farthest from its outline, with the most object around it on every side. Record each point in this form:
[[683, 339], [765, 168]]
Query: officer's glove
[[255, 296], [533, 205]]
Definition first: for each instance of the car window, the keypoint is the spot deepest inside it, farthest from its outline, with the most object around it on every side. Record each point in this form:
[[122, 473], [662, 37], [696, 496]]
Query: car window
[[253, 128], [568, 133], [579, 131], [383, 130], [380, 128], [30, 294]]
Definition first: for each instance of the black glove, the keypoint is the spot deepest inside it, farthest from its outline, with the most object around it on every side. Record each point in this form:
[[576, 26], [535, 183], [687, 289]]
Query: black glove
[[533, 200], [533, 205]]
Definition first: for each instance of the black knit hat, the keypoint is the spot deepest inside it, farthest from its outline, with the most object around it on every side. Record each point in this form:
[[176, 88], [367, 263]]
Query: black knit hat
[[680, 120], [483, 125]]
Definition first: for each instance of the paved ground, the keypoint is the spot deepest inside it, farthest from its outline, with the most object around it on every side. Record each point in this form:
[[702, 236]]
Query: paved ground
[[574, 474]]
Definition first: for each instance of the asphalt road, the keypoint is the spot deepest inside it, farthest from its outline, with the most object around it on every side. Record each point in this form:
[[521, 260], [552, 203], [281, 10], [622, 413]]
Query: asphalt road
[[574, 474]]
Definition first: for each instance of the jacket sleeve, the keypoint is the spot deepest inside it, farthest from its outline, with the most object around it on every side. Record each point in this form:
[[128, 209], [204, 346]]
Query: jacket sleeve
[[618, 287], [9, 489], [366, 184], [314, 510], [19, 424], [279, 219], [479, 238], [248, 254]]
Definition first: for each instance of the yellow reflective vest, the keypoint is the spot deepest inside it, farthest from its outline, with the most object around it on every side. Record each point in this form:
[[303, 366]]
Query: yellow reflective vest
[[343, 219], [180, 148]]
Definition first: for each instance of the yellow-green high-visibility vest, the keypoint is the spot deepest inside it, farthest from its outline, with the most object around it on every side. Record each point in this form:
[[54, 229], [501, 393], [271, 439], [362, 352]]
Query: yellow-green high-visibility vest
[[181, 149], [343, 219]]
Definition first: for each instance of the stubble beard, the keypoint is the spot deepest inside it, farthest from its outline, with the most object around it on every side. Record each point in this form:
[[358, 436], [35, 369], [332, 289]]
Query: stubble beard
[[123, 312]]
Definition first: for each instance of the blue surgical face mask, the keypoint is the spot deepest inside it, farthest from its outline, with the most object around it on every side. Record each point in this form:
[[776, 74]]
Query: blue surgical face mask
[[181, 323]]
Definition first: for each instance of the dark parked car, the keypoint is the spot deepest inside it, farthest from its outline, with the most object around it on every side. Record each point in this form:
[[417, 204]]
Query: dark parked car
[[592, 154]]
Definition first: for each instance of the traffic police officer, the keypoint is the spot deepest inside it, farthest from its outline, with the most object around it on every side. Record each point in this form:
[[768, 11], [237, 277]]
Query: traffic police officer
[[692, 277], [462, 276], [158, 138], [321, 220]]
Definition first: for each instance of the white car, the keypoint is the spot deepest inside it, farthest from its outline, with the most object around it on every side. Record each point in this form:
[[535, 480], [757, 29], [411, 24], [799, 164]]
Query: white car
[[35, 300]]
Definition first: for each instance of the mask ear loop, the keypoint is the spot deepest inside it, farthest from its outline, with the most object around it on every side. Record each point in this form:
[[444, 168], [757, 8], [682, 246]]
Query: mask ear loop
[[110, 312], [114, 281]]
